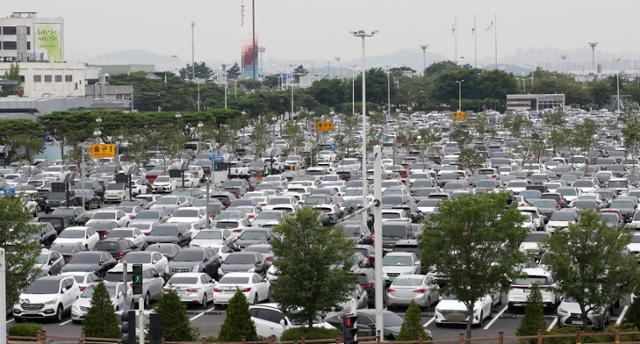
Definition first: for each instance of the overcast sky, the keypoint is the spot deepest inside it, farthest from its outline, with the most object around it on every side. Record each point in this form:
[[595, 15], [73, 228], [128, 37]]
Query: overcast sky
[[319, 29]]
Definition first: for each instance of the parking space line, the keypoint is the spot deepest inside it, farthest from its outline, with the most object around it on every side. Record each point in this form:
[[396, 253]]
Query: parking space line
[[429, 322], [553, 324], [496, 317], [64, 323], [197, 316], [9, 321], [210, 309], [622, 314]]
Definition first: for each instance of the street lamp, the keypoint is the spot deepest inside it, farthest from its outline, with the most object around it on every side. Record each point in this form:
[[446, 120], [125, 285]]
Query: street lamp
[[199, 125], [291, 85], [424, 48], [353, 89], [226, 84], [593, 46], [388, 71], [459, 94], [618, 84]]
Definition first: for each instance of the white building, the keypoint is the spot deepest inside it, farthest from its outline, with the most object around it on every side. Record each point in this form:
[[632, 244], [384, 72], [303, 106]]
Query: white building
[[42, 79], [26, 37]]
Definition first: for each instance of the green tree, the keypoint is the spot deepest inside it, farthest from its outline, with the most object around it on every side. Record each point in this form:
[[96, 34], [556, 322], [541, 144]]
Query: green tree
[[472, 242], [20, 251], [294, 136], [585, 137], [313, 264], [425, 139], [13, 74], [233, 73], [589, 262], [24, 137], [260, 137], [412, 329], [533, 320], [201, 69], [470, 159], [175, 323], [460, 134], [238, 326], [631, 136], [555, 121], [101, 320]]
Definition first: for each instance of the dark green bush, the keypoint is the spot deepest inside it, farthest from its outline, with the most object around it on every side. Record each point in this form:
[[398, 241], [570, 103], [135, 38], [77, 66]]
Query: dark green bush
[[310, 334], [25, 330]]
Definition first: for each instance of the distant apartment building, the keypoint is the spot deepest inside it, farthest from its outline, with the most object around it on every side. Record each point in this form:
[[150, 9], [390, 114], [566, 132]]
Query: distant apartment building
[[25, 37]]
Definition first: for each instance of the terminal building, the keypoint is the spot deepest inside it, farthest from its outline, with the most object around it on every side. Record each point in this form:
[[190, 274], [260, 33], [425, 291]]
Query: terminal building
[[535, 102], [25, 37]]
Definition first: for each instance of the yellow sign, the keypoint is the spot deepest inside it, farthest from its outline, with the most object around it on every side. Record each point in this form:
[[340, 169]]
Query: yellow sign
[[459, 116], [102, 150], [324, 127]]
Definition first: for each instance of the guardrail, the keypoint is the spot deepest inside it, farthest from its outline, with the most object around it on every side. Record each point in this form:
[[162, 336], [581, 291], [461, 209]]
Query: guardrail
[[579, 337]]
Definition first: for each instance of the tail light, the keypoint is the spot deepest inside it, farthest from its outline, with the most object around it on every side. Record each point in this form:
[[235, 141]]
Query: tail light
[[217, 290], [535, 216], [238, 195], [237, 230], [166, 290], [120, 255], [246, 290], [269, 258], [370, 258], [420, 291], [131, 216], [366, 285], [147, 233], [83, 287], [192, 290], [390, 290]]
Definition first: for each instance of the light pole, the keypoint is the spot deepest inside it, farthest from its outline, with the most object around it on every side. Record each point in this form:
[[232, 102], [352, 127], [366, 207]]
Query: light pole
[[261, 50], [618, 85], [388, 71], [291, 85], [459, 94], [193, 51], [226, 84], [337, 58], [363, 35], [353, 89], [424, 48], [593, 46]]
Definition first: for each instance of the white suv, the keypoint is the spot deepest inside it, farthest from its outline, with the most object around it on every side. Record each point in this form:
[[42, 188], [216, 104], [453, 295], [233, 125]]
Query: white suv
[[47, 297]]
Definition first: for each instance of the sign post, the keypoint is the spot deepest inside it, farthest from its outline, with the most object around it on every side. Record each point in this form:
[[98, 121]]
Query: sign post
[[324, 126], [102, 150]]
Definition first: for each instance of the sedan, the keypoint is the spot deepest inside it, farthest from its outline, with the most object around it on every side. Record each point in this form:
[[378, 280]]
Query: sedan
[[395, 264], [244, 262], [87, 237], [132, 234], [49, 262], [82, 305], [198, 259], [95, 261], [418, 288], [117, 248], [164, 184], [253, 237], [210, 238], [451, 310], [192, 287], [254, 287]]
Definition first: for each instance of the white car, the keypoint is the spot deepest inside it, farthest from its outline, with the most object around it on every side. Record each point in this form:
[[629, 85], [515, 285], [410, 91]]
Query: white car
[[561, 219], [118, 216], [192, 287], [194, 216], [211, 238], [115, 192], [395, 215], [48, 297], [83, 278], [82, 305], [450, 310], [148, 259], [132, 234], [521, 288], [164, 184], [418, 288], [536, 218], [634, 245], [395, 264], [254, 287], [569, 315], [270, 321], [87, 237]]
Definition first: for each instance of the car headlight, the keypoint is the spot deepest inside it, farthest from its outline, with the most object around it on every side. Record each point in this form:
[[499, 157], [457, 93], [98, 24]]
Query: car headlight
[[220, 272], [562, 311], [253, 269], [196, 268], [167, 270], [51, 302]]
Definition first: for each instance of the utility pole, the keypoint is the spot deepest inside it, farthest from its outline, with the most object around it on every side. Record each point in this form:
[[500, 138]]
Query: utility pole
[[475, 43], [353, 90], [125, 306], [226, 84], [459, 94], [337, 58], [261, 50], [424, 48], [618, 86], [593, 46], [377, 229], [193, 51], [254, 47], [3, 298]]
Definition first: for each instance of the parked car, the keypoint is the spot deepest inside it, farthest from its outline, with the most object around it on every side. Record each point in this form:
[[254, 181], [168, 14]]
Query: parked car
[[192, 287], [418, 288], [82, 305], [270, 321], [97, 262], [49, 297], [254, 287], [197, 259], [49, 262]]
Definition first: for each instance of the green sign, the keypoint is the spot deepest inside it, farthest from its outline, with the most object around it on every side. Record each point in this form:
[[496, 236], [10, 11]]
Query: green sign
[[48, 41]]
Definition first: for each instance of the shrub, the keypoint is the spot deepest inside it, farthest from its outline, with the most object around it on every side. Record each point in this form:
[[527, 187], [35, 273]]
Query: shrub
[[238, 324], [533, 320], [309, 333], [101, 320], [175, 323], [25, 330], [411, 327]]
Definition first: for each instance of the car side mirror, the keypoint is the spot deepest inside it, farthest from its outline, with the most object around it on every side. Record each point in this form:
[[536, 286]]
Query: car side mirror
[[283, 322], [61, 291]]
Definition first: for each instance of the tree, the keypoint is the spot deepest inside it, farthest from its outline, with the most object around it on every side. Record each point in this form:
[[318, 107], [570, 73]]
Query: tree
[[533, 320], [313, 264], [460, 134], [631, 136], [555, 121], [13, 74], [293, 133], [24, 137], [175, 323], [201, 69], [472, 242], [412, 329], [234, 72], [585, 137], [470, 159], [424, 141], [260, 137], [590, 263], [238, 326], [20, 251], [101, 320]]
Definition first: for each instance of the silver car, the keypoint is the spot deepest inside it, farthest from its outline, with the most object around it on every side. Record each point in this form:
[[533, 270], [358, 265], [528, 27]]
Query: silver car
[[418, 288], [82, 305]]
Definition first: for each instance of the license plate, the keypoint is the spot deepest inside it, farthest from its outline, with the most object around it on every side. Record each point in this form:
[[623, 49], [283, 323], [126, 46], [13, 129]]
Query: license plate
[[576, 322]]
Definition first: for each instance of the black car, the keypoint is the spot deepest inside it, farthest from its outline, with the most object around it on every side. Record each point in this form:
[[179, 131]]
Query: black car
[[78, 215], [94, 261], [116, 247], [366, 278], [197, 259], [67, 250], [61, 199], [393, 231], [244, 262], [358, 232], [91, 199], [170, 233], [90, 185], [366, 323], [252, 237], [59, 222], [167, 250], [45, 233]]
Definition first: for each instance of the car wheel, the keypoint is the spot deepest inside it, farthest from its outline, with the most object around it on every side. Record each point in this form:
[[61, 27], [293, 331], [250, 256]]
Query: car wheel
[[17, 320], [59, 313], [204, 300], [147, 300], [76, 321], [481, 322], [255, 299], [86, 247]]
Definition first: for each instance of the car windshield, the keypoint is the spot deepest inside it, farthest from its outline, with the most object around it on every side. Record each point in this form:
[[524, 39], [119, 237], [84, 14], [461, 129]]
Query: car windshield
[[72, 234], [279, 200], [545, 203], [635, 239], [164, 231], [88, 293], [240, 259], [563, 216], [396, 261], [43, 287], [121, 233], [116, 276], [408, 281], [234, 280], [253, 235], [392, 319], [163, 179], [209, 235], [42, 258], [183, 280], [567, 192], [269, 215], [115, 187], [535, 237], [189, 256], [622, 204], [104, 216], [167, 250], [185, 213], [63, 211], [531, 280], [85, 259], [148, 215], [226, 224], [393, 231], [167, 201], [138, 258]]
